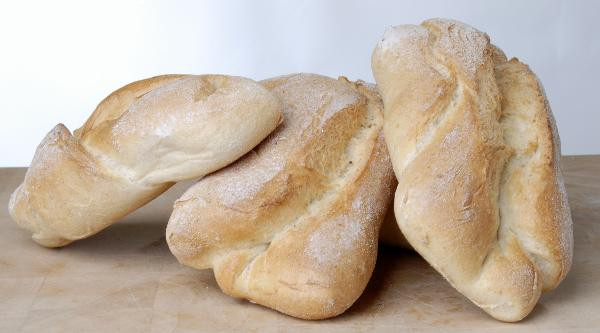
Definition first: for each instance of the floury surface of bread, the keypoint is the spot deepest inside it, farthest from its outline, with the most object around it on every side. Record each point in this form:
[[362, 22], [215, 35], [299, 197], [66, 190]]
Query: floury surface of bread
[[139, 141], [294, 224], [476, 153]]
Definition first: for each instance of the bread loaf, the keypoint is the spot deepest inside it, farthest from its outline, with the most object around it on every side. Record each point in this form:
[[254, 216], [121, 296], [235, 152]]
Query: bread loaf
[[477, 156], [294, 224], [139, 141]]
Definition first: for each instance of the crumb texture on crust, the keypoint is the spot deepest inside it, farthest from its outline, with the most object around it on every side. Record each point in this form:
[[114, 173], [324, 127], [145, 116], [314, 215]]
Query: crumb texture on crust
[[139, 141], [294, 224], [476, 153]]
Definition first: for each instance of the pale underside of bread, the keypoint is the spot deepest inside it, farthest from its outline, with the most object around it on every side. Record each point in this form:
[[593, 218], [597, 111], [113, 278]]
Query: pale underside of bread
[[390, 233], [139, 141], [293, 225], [476, 153]]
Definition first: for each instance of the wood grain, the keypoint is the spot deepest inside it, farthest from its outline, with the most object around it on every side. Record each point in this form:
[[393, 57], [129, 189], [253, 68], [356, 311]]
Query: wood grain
[[125, 280]]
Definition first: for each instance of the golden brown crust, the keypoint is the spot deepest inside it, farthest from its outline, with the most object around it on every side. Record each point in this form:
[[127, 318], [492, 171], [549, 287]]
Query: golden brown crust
[[294, 224], [534, 182], [470, 135], [139, 141], [115, 104], [49, 202]]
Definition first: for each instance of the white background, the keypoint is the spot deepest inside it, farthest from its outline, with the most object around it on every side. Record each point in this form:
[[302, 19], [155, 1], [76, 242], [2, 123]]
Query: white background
[[58, 59]]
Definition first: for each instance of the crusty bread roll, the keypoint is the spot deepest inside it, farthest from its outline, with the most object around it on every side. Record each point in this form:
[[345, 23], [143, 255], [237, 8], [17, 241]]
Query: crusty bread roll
[[476, 153], [294, 224], [137, 143]]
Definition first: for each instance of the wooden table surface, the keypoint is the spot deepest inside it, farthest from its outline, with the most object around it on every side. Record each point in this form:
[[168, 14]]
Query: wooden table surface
[[125, 280]]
